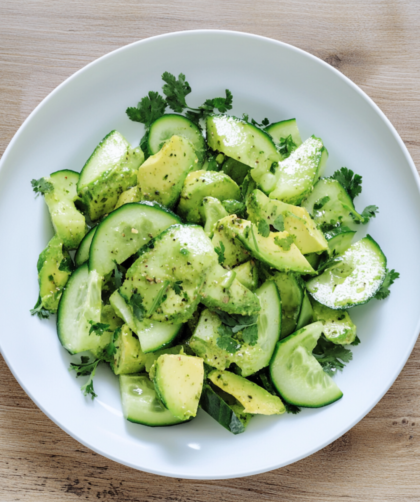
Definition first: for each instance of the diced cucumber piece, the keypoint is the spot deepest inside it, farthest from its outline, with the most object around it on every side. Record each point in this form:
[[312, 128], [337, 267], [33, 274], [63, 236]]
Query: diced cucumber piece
[[297, 375], [122, 233], [140, 403], [283, 129], [133, 194], [211, 212], [291, 291], [200, 184], [161, 177], [222, 291], [353, 278], [230, 250], [169, 125], [252, 397], [169, 274], [336, 324], [153, 335], [109, 171], [178, 382], [276, 250], [54, 269], [293, 219], [241, 141], [294, 177], [339, 239], [129, 358], [247, 274], [306, 312], [82, 254], [68, 222], [80, 303], [330, 205], [236, 170], [230, 416]]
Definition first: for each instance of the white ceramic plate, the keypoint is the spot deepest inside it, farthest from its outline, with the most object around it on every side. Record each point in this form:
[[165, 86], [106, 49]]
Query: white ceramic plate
[[268, 79]]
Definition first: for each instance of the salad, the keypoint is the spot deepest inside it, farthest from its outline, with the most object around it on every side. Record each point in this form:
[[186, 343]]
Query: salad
[[211, 266]]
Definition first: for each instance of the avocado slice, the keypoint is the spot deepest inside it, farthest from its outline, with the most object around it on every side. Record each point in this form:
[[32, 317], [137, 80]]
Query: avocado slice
[[211, 212], [162, 175], [247, 274], [129, 357], [133, 194], [178, 383], [252, 397], [293, 219], [337, 325], [200, 184], [230, 250]]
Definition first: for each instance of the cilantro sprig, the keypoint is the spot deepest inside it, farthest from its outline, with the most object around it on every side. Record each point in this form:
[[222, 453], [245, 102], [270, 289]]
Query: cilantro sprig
[[263, 228], [350, 181], [384, 291], [99, 328], [331, 357], [231, 326], [285, 242], [39, 310], [42, 186]]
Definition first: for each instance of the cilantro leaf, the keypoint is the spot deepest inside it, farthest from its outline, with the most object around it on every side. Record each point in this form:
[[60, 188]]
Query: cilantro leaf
[[99, 328], [369, 212], [225, 340], [86, 368], [331, 357], [177, 287], [278, 223], [66, 265], [149, 109], [390, 277], [227, 319], [250, 334], [291, 408], [136, 302], [263, 228], [39, 310], [220, 250], [234, 207], [319, 204], [286, 146], [119, 272], [356, 341], [42, 186], [285, 242], [351, 182], [175, 91]]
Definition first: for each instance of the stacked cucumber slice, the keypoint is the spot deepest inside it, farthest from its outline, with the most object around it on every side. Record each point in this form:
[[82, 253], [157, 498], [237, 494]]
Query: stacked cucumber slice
[[211, 267]]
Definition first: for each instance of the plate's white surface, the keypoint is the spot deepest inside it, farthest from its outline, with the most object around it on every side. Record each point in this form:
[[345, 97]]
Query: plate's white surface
[[268, 79]]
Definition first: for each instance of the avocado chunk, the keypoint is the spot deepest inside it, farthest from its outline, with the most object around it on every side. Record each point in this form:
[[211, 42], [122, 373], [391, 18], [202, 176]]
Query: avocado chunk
[[68, 222], [178, 382], [247, 275], [276, 250], [168, 275], [293, 219], [252, 397], [200, 184], [152, 357], [211, 212], [235, 169], [54, 269], [113, 323], [133, 194], [230, 251], [129, 357], [162, 175], [336, 324], [223, 291], [109, 171]]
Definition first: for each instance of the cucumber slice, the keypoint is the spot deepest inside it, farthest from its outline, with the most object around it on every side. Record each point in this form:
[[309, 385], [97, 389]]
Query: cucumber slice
[[241, 141], [125, 231], [82, 254], [153, 335], [80, 303], [306, 312], [68, 222], [339, 239], [231, 417], [290, 287], [140, 403], [353, 278], [297, 375], [283, 129], [170, 125], [128, 358]]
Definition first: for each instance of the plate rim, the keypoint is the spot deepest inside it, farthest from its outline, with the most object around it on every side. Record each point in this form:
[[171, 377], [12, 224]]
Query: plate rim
[[407, 156]]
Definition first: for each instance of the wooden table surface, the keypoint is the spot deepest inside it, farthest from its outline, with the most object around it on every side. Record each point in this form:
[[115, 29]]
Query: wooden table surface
[[377, 44]]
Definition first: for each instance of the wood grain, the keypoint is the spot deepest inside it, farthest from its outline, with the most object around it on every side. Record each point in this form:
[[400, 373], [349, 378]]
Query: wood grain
[[377, 45]]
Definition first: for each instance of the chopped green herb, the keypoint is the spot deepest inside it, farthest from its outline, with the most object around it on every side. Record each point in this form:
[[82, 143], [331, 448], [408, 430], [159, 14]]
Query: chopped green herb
[[351, 182], [149, 109], [177, 287], [160, 298], [98, 328], [39, 310], [263, 228], [220, 251], [66, 265], [119, 272], [234, 207], [184, 251], [369, 212], [319, 204], [278, 223], [331, 357], [390, 277], [41, 186], [285, 242]]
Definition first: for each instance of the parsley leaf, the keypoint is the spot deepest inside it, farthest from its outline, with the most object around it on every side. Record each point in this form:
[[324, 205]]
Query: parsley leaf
[[351, 182], [99, 328], [220, 250], [177, 287], [285, 242], [319, 204], [369, 212], [41, 186], [331, 357], [39, 310], [263, 228], [250, 334], [149, 109], [278, 223], [66, 265], [390, 277]]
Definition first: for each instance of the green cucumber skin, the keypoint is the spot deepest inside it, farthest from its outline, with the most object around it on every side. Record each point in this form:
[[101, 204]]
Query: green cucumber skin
[[218, 409], [81, 255]]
